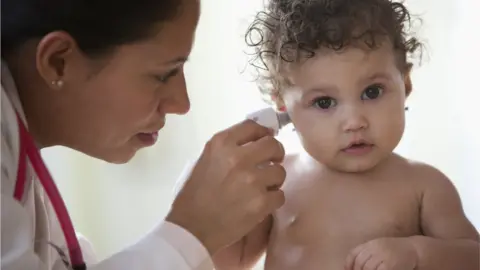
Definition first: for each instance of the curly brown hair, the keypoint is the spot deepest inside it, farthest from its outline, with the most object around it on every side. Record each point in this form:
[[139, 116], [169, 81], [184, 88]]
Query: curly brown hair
[[292, 30]]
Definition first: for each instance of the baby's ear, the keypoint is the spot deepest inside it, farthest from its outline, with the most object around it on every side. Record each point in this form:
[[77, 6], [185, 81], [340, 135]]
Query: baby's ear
[[278, 102], [407, 79]]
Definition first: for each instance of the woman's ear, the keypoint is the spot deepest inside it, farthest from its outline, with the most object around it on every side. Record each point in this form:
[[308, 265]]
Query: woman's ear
[[55, 53], [407, 79]]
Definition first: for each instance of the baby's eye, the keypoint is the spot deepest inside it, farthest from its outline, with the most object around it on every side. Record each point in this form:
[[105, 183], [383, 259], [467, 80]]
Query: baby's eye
[[324, 103], [372, 92]]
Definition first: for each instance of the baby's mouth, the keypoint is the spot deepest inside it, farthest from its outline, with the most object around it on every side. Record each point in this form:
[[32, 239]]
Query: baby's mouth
[[361, 147]]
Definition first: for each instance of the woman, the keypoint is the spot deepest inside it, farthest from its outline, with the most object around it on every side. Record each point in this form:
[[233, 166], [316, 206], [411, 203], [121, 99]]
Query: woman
[[100, 77]]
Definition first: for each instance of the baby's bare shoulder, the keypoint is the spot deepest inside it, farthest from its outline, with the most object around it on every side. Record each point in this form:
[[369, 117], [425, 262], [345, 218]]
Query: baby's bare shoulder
[[424, 174]]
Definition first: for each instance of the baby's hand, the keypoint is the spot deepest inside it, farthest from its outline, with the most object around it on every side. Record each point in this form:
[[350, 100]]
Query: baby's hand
[[383, 254]]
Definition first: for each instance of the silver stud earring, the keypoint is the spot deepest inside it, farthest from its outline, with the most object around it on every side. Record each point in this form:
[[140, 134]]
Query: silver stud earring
[[58, 83], [406, 108]]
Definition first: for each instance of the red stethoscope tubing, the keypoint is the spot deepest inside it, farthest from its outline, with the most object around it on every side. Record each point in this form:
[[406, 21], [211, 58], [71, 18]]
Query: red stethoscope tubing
[[28, 150]]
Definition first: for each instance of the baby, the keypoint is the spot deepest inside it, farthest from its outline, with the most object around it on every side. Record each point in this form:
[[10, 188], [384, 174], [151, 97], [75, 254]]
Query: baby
[[341, 70]]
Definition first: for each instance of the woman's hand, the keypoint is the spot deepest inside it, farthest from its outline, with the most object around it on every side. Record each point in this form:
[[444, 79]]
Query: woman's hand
[[231, 189]]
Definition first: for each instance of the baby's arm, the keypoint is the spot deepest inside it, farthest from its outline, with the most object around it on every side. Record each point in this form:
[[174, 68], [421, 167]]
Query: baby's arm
[[245, 253], [451, 242]]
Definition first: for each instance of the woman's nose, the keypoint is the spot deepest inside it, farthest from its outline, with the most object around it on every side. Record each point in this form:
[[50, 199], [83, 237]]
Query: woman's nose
[[178, 101]]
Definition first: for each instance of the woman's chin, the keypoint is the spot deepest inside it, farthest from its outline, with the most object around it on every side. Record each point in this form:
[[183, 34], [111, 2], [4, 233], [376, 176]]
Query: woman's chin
[[122, 157], [117, 156]]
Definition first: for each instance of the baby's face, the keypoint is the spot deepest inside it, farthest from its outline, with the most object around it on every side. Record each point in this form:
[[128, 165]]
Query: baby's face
[[349, 108]]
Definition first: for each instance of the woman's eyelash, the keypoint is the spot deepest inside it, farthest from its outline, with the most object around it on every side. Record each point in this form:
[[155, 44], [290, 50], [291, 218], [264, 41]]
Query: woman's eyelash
[[164, 78]]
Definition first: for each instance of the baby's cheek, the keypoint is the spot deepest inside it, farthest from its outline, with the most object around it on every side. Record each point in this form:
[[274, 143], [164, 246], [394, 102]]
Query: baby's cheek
[[320, 144], [389, 129]]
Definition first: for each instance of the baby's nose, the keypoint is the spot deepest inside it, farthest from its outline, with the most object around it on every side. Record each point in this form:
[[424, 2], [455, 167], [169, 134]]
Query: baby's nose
[[354, 120]]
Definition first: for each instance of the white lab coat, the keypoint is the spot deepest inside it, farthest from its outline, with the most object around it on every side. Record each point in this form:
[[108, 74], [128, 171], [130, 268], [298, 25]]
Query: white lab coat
[[28, 227]]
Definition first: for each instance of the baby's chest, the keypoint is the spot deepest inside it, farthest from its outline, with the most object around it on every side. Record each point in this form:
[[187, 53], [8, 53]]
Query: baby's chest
[[350, 214]]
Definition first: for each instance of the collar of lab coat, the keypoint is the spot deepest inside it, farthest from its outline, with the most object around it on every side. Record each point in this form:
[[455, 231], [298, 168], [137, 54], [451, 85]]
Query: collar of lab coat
[[8, 85], [10, 92]]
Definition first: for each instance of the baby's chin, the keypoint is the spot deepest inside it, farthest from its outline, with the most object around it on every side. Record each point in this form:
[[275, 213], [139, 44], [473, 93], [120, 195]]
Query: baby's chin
[[345, 164], [353, 167]]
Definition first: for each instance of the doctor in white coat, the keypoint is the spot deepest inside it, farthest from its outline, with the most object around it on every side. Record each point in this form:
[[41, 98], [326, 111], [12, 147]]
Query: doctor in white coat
[[100, 77]]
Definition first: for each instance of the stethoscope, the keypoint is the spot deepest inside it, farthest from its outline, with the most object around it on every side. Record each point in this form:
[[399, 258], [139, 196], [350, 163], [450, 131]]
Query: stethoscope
[[29, 151]]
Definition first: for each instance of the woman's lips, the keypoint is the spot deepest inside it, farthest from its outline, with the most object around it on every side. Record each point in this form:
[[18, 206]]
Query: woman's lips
[[148, 138]]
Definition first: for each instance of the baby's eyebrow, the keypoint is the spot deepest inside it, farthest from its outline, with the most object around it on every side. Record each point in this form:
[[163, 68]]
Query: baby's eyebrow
[[323, 89], [380, 75], [331, 89]]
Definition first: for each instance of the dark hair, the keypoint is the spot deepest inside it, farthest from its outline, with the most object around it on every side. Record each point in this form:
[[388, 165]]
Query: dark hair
[[292, 30], [98, 26]]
